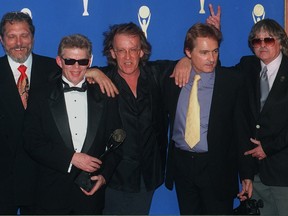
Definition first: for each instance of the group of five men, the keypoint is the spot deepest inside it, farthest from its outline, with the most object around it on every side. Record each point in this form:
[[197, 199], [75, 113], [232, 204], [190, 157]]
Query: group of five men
[[59, 124]]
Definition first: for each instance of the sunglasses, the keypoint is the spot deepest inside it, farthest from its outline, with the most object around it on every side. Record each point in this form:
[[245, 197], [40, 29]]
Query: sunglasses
[[257, 42], [82, 62]]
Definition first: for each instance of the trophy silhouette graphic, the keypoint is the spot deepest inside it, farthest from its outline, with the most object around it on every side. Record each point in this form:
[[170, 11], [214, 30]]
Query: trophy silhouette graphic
[[144, 17], [258, 13], [27, 11], [202, 11], [85, 5]]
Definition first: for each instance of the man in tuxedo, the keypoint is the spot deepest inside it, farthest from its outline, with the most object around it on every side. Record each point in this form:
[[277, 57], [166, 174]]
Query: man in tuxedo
[[263, 129], [205, 174], [66, 131], [17, 172]]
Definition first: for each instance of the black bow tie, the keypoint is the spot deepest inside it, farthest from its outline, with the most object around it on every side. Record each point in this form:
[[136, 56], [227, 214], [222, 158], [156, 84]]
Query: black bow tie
[[67, 88]]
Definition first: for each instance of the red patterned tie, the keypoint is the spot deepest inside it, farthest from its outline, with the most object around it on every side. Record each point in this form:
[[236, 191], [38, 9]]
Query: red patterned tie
[[23, 85]]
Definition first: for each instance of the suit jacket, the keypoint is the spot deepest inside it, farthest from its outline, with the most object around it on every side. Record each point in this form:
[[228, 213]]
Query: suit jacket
[[48, 141], [270, 126], [17, 175], [144, 150], [222, 148]]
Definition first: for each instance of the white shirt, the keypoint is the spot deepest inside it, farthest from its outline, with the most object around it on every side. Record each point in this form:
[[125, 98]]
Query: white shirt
[[77, 111], [272, 69]]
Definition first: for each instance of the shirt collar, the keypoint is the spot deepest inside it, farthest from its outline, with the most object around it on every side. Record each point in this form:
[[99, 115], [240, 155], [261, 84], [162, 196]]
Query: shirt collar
[[206, 78], [71, 84], [14, 65], [274, 65]]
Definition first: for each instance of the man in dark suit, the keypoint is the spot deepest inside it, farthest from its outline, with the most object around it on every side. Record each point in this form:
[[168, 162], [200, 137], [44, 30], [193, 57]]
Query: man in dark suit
[[66, 131], [205, 174], [263, 127], [17, 174]]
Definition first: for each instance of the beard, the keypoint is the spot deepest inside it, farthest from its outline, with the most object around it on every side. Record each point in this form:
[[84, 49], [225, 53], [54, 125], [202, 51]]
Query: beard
[[19, 57]]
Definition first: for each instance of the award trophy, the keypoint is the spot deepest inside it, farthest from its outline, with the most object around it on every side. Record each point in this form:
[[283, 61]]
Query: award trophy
[[85, 5], [144, 16], [202, 11], [27, 11], [83, 180], [258, 13]]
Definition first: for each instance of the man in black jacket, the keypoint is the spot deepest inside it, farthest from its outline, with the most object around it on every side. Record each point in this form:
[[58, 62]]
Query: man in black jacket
[[205, 174], [140, 85], [17, 169], [263, 127]]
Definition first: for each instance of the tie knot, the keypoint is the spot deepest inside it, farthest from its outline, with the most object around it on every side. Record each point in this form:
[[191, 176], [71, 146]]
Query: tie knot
[[22, 69], [197, 77], [263, 72]]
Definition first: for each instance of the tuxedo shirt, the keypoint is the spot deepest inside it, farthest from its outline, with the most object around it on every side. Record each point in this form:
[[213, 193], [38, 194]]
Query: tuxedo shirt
[[76, 105]]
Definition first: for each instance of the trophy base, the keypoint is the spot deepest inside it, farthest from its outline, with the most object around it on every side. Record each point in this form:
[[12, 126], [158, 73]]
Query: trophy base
[[202, 11], [84, 181], [85, 13]]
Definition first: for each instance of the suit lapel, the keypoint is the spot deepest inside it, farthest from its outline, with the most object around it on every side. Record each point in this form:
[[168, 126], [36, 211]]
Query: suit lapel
[[10, 99], [10, 94], [95, 111], [280, 85], [216, 95], [254, 88], [59, 113]]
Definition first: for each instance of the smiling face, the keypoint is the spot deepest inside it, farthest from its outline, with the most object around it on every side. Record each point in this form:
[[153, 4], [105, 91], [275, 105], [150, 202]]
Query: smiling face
[[127, 52], [74, 73], [17, 41], [204, 55]]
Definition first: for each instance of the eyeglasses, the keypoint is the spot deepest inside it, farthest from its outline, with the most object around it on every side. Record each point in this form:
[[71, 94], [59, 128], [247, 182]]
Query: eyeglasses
[[269, 41], [123, 52], [82, 62]]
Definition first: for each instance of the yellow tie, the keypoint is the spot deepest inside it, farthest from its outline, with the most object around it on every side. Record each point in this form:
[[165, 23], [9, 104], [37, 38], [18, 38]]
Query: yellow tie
[[192, 130]]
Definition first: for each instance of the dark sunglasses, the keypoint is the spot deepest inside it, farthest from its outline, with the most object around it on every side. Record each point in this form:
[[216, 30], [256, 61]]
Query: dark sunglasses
[[82, 62], [269, 41]]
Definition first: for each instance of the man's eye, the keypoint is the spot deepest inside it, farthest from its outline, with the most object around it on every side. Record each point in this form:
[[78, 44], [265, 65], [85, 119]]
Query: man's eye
[[10, 36]]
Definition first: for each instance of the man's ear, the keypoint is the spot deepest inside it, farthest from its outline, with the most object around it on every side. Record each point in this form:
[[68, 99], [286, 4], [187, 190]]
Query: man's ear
[[58, 61], [188, 53], [113, 54], [141, 53]]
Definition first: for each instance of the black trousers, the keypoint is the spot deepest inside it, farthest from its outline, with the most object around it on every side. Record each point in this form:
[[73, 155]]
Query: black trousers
[[126, 203], [194, 188]]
